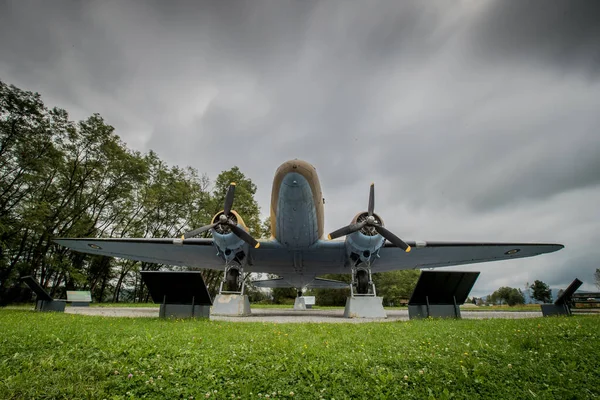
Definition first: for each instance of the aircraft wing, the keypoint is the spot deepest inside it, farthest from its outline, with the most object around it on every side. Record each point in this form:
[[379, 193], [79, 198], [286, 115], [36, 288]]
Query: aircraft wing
[[445, 254], [199, 253]]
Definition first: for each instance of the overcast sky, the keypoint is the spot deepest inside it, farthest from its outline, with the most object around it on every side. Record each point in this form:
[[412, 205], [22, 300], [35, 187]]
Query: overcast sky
[[477, 120]]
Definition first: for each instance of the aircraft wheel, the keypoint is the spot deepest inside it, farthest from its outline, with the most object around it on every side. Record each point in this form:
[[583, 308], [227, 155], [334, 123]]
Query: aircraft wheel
[[232, 280], [362, 279]]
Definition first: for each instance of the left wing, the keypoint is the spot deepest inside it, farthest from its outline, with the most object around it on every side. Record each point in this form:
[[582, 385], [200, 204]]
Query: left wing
[[445, 254], [199, 253]]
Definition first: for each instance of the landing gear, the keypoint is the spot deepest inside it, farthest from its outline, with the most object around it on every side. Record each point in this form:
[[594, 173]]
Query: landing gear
[[362, 281], [363, 301], [231, 279], [299, 302]]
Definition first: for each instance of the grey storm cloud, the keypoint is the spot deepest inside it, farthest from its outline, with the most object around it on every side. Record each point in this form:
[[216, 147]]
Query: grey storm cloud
[[476, 119]]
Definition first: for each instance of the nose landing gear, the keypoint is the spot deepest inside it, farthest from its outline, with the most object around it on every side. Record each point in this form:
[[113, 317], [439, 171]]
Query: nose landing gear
[[362, 281]]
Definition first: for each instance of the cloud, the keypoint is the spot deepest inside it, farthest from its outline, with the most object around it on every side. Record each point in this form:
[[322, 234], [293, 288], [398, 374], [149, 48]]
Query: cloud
[[560, 35], [477, 120]]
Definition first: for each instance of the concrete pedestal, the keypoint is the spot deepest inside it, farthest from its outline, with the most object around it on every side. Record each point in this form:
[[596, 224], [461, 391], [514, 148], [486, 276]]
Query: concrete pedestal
[[299, 304], [232, 305], [184, 311], [364, 307]]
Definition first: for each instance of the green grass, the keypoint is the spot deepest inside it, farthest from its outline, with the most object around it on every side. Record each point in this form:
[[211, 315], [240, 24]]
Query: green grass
[[48, 356], [520, 307], [253, 305], [525, 307]]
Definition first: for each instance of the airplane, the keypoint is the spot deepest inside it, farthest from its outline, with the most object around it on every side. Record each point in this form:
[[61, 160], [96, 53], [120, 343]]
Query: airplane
[[298, 251]]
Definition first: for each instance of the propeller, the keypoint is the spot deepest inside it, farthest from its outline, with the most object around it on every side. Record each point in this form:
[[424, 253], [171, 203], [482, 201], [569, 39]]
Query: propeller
[[371, 221], [226, 221]]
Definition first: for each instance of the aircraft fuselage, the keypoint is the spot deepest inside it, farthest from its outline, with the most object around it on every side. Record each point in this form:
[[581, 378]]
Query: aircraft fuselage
[[296, 205]]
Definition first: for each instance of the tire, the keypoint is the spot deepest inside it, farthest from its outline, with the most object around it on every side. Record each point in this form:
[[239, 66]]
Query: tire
[[362, 282], [232, 280]]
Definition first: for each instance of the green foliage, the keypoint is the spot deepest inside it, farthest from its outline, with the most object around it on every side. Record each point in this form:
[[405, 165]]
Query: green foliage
[[244, 202], [122, 358], [541, 292], [60, 178], [507, 295], [283, 295], [396, 286], [333, 297]]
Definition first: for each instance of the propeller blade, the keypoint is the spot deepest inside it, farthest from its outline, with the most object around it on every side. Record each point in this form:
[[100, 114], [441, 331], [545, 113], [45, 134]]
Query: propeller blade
[[229, 199], [242, 234], [392, 238], [198, 231], [371, 200], [346, 230]]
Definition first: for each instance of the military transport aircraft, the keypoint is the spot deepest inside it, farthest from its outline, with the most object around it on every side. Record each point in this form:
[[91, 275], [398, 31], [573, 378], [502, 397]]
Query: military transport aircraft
[[298, 251]]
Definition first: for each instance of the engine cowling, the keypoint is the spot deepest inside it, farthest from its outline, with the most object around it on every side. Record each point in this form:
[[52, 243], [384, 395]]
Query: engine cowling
[[369, 225], [364, 243], [226, 241]]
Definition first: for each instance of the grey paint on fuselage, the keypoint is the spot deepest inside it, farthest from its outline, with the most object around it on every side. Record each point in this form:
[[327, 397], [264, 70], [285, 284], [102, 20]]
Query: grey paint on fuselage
[[296, 225], [296, 213]]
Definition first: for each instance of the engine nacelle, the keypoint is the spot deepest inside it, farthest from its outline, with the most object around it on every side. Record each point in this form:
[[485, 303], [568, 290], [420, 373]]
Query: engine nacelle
[[362, 245], [229, 244]]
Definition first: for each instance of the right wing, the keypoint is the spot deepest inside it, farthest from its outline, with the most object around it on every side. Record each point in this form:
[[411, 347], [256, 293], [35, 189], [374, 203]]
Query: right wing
[[446, 254]]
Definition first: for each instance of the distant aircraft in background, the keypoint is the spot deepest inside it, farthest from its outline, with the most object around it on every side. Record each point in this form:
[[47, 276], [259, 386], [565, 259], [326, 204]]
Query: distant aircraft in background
[[298, 251]]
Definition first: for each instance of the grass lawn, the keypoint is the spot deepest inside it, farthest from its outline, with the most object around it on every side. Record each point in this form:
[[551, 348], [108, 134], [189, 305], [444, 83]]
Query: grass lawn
[[48, 356]]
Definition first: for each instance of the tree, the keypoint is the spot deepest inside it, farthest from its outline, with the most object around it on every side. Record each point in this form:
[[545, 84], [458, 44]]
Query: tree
[[396, 286], [244, 202], [333, 297], [508, 295], [541, 291], [283, 295], [597, 278], [60, 178]]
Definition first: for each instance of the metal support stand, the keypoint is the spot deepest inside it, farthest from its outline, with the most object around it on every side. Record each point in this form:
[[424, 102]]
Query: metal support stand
[[562, 305], [240, 268], [456, 309], [183, 310], [366, 267], [230, 302], [50, 305]]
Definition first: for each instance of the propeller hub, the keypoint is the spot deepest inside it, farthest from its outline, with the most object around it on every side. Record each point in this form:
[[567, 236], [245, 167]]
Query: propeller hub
[[223, 218], [371, 220]]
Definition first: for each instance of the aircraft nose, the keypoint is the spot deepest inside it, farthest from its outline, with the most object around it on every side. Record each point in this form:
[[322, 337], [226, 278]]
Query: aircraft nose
[[294, 179]]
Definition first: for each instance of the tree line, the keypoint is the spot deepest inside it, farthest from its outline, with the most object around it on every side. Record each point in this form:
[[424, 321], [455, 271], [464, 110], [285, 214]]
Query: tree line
[[60, 178], [538, 290]]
